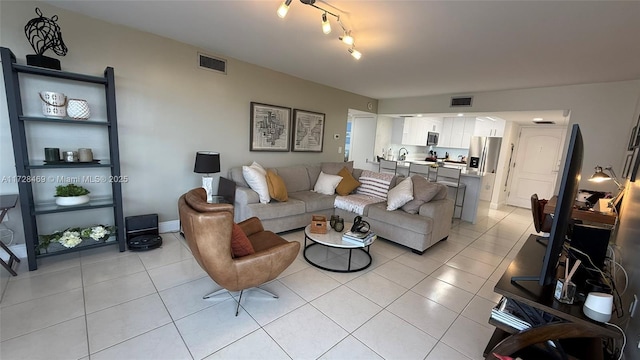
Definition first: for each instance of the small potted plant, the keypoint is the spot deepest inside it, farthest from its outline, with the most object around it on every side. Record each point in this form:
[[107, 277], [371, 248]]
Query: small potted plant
[[71, 194]]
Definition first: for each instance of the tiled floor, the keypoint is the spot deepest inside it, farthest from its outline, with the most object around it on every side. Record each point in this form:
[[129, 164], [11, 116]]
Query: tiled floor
[[102, 304]]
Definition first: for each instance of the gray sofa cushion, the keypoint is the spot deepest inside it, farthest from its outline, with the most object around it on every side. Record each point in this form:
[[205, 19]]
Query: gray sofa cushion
[[275, 209], [235, 174], [314, 172], [314, 201], [401, 219], [423, 191], [296, 178], [333, 168]]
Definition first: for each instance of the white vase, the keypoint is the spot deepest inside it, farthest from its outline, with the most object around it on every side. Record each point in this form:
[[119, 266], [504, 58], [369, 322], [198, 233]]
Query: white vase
[[72, 200], [78, 109]]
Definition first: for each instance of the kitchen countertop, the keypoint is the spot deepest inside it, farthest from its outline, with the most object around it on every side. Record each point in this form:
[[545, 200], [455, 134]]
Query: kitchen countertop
[[465, 172]]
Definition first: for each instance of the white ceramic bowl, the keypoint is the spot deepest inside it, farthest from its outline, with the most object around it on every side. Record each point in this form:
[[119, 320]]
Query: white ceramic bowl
[[72, 200]]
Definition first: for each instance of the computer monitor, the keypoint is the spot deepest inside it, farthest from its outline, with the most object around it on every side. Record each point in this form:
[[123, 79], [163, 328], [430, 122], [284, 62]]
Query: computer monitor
[[562, 214]]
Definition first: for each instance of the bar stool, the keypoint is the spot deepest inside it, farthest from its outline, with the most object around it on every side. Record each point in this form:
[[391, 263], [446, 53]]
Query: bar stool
[[388, 166], [419, 169], [451, 178]]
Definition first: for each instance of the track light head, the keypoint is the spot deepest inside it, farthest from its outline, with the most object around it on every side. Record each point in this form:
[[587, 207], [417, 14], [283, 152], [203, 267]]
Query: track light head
[[347, 38], [284, 8], [326, 27], [355, 53]]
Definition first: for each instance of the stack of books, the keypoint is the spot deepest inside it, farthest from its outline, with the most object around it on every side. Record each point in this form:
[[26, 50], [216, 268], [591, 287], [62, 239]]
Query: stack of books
[[360, 238], [504, 313]]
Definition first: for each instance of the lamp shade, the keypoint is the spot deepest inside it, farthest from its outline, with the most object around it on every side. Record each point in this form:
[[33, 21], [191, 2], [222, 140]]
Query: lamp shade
[[207, 162], [599, 175]]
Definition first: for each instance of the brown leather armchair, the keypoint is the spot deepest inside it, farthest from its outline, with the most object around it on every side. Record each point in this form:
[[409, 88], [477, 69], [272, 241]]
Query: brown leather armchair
[[541, 222], [207, 229]]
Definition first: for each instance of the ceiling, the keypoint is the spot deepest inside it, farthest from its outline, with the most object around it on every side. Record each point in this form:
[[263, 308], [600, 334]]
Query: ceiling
[[410, 48]]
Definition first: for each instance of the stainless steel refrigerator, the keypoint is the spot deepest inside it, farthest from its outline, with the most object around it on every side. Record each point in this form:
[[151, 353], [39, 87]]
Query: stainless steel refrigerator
[[483, 154]]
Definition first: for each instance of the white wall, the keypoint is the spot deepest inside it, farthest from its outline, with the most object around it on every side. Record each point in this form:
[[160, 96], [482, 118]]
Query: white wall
[[168, 108], [605, 112]]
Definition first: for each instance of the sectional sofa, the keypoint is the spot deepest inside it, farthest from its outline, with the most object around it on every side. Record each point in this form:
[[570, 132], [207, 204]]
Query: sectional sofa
[[431, 222]]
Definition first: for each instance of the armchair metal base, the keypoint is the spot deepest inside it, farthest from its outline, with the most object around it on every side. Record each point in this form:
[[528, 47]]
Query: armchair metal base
[[223, 290]]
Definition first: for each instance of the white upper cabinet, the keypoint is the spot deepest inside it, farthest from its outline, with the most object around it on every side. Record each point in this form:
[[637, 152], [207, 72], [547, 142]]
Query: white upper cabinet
[[486, 127], [457, 132], [414, 130]]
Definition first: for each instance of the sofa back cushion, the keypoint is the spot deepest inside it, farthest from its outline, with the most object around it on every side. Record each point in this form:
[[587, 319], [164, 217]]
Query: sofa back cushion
[[333, 168], [296, 178], [235, 174]]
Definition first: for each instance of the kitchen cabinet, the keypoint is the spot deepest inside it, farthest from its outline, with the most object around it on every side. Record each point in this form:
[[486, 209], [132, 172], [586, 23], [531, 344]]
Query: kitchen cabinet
[[486, 127], [414, 130], [28, 131], [457, 132]]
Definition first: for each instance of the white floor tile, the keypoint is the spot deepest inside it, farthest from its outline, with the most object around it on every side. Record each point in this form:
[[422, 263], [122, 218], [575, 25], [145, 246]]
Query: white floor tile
[[468, 337], [346, 307], [425, 314], [117, 291], [486, 291], [186, 299], [171, 275], [171, 251], [400, 274], [443, 293], [125, 321], [459, 278], [376, 288], [352, 349], [264, 308], [483, 256], [479, 310], [112, 268], [257, 345], [197, 329], [421, 263], [161, 343], [67, 340], [471, 266], [302, 341], [48, 283], [37, 314], [398, 337], [444, 352], [310, 283]]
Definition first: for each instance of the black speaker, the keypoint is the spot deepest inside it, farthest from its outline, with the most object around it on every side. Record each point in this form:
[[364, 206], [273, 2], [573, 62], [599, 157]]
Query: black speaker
[[142, 232], [593, 241]]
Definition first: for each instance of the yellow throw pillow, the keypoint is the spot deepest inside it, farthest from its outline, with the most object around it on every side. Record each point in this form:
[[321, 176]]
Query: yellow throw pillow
[[277, 189], [348, 183]]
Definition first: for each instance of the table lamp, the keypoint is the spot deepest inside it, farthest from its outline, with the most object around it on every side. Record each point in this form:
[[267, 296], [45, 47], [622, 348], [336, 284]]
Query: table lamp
[[600, 176], [207, 162]]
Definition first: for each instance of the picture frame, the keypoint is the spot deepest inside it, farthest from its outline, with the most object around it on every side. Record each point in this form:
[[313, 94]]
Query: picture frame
[[633, 140], [270, 126], [634, 165], [308, 131], [627, 165]]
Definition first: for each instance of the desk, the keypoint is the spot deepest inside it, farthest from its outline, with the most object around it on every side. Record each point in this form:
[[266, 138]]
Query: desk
[[8, 202], [584, 215], [506, 341]]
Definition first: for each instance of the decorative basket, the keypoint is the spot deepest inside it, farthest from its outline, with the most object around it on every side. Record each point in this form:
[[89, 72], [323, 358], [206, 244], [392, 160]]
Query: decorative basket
[[54, 104], [318, 224]]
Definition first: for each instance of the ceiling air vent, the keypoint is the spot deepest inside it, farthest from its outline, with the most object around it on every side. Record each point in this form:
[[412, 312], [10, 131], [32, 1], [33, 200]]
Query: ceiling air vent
[[544, 122], [211, 63], [461, 101]]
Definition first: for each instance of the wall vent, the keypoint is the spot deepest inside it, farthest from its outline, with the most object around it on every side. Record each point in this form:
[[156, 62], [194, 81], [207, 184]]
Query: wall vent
[[544, 122], [458, 101], [212, 63]]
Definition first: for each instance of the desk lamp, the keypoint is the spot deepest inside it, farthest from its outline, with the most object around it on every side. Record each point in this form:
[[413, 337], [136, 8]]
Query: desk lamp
[[207, 162], [599, 176]]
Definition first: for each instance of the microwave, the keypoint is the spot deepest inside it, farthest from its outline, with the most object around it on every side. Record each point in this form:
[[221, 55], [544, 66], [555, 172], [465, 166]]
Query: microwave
[[432, 138]]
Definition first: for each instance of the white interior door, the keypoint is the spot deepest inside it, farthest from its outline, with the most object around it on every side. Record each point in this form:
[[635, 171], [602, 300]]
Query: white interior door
[[536, 166], [363, 137]]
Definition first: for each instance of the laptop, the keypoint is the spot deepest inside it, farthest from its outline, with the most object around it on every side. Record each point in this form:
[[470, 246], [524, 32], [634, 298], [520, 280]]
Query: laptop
[[226, 192]]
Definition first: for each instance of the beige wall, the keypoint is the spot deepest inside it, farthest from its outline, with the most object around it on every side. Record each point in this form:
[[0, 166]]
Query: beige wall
[[605, 111], [168, 108]]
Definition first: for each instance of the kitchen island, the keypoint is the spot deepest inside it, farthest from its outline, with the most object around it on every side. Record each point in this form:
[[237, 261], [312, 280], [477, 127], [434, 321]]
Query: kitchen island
[[472, 180]]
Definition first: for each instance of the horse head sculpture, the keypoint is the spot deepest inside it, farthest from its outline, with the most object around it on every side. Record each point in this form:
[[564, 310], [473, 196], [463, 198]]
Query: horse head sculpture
[[43, 34]]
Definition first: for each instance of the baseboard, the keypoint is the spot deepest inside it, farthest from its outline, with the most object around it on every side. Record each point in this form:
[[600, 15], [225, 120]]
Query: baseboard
[[169, 226]]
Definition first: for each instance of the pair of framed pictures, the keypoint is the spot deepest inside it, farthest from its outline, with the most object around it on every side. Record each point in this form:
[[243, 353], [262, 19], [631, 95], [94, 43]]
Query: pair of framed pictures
[[632, 162], [272, 129]]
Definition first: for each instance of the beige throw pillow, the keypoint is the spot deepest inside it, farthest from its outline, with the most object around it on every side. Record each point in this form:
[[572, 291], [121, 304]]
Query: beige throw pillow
[[423, 192]]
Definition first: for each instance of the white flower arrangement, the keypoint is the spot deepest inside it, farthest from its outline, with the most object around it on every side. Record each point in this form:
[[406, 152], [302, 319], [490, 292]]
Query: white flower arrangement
[[70, 239]]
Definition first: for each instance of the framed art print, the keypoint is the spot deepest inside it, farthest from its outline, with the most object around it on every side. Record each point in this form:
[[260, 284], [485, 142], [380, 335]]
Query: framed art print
[[627, 165], [308, 131], [633, 139], [270, 126]]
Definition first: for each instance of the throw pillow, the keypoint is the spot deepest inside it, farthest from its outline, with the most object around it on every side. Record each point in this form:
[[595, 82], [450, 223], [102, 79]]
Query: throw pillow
[[423, 191], [240, 244], [257, 182], [277, 189], [348, 183], [374, 184], [258, 167], [400, 195], [333, 168], [327, 184]]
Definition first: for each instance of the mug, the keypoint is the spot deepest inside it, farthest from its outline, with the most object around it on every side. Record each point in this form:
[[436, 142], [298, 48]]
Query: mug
[[85, 155], [52, 154], [71, 156]]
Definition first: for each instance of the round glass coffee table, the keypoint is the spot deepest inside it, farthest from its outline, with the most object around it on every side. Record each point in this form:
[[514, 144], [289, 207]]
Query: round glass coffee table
[[329, 252]]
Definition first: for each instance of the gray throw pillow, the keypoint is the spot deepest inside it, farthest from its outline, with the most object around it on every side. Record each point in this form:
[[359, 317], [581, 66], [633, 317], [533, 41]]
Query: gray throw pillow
[[423, 192]]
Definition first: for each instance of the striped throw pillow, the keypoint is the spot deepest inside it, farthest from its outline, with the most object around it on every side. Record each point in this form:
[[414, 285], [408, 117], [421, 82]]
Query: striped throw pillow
[[374, 184]]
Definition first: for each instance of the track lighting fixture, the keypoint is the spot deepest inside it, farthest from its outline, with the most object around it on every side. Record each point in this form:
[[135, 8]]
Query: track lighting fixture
[[326, 27], [346, 37], [284, 8]]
